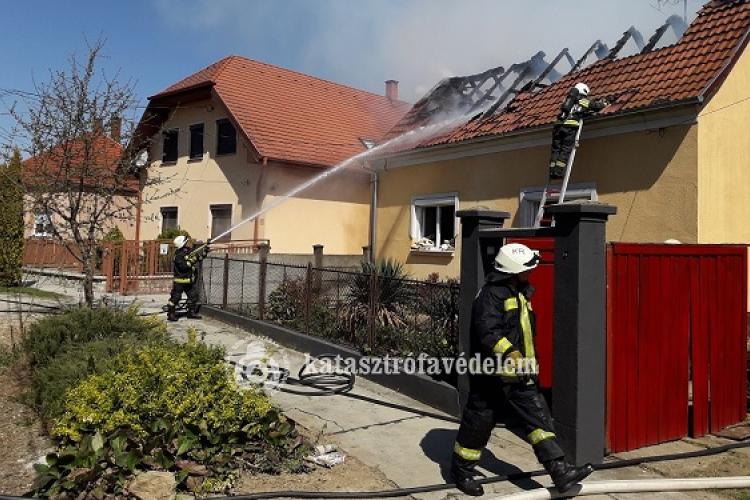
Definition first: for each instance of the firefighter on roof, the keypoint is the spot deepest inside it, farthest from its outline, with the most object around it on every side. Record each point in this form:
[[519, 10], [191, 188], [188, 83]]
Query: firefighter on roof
[[576, 106]]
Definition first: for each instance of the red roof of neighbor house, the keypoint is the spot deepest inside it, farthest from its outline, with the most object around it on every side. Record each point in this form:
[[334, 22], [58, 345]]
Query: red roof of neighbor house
[[690, 69], [290, 116], [83, 158]]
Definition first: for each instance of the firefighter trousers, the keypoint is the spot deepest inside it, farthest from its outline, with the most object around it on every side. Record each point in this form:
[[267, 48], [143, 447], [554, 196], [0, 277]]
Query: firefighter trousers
[[563, 140], [488, 398], [190, 290]]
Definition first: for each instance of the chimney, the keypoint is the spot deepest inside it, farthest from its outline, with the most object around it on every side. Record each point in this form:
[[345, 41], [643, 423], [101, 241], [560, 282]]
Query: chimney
[[391, 89], [115, 128]]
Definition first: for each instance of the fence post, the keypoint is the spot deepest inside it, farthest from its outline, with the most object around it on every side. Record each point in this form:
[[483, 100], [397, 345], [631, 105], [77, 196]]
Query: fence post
[[318, 264], [366, 253], [579, 371], [225, 283], [263, 248], [308, 296], [124, 257]]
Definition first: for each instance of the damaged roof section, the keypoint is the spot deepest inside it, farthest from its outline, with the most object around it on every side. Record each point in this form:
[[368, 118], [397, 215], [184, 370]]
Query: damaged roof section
[[529, 93]]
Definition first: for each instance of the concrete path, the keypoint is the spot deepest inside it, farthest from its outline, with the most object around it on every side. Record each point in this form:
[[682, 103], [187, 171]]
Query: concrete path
[[411, 450]]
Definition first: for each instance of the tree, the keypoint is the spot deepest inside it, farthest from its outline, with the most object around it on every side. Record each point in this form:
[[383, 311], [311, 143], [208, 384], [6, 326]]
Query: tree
[[75, 174], [11, 222]]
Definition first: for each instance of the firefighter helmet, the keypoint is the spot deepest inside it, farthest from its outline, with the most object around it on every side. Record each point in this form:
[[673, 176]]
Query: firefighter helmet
[[180, 241], [582, 88], [515, 258]]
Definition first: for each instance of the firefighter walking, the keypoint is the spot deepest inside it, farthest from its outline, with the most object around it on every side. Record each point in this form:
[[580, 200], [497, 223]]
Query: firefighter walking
[[503, 329], [575, 107], [186, 261]]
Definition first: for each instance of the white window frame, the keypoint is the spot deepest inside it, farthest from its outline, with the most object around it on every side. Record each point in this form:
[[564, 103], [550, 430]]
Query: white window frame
[[530, 197], [45, 220], [416, 231]]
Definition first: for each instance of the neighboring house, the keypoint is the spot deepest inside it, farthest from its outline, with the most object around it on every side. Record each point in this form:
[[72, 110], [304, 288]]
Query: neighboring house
[[672, 153], [239, 135], [80, 173]]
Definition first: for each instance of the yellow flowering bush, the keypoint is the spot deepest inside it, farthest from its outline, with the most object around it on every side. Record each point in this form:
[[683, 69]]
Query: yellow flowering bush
[[189, 384]]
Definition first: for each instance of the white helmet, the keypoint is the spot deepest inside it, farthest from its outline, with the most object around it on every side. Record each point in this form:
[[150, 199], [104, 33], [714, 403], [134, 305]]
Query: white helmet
[[515, 258], [180, 241], [582, 88]]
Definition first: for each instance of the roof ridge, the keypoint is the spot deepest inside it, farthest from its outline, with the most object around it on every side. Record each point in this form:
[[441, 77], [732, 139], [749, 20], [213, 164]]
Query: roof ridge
[[304, 75]]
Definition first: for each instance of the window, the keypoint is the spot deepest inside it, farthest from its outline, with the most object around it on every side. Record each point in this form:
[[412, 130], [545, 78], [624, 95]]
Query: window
[[221, 221], [433, 222], [171, 138], [531, 197], [42, 225], [168, 218], [196, 141], [226, 137]]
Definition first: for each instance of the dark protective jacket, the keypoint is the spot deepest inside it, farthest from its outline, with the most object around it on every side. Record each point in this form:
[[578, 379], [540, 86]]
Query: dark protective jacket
[[502, 320], [576, 106], [185, 264]]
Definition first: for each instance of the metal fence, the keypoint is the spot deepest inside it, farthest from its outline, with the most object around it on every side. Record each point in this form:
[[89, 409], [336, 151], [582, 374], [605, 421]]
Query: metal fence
[[376, 314]]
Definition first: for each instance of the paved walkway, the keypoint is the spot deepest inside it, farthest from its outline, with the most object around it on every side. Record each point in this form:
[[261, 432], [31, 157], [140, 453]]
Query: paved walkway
[[410, 450]]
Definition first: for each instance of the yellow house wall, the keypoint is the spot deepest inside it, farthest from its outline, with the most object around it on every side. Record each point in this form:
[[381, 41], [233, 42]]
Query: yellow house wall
[[333, 212], [724, 161], [649, 176]]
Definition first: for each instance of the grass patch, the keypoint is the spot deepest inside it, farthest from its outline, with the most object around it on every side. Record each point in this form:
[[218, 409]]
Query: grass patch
[[30, 291]]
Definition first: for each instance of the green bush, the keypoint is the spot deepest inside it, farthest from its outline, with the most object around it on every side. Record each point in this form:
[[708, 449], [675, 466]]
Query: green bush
[[166, 407], [392, 294], [71, 365], [171, 233], [11, 222], [45, 338]]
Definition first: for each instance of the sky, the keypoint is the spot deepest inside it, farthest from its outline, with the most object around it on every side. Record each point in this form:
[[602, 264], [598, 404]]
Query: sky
[[359, 43]]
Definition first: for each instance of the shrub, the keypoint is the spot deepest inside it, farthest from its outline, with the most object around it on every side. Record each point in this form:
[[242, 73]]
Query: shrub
[[48, 336], [171, 233], [391, 294], [11, 222], [166, 407]]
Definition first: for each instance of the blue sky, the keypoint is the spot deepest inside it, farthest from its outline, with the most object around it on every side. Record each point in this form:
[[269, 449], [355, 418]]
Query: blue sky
[[360, 43]]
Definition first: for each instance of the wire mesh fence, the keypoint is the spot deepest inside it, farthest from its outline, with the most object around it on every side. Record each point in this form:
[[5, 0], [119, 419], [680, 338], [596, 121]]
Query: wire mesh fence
[[375, 314]]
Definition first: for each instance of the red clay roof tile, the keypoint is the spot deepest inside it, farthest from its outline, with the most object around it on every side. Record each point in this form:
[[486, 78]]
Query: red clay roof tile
[[683, 71], [293, 117]]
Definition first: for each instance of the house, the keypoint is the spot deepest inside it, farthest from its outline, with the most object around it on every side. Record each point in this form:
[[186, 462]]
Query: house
[[232, 141], [81, 176], [672, 152]]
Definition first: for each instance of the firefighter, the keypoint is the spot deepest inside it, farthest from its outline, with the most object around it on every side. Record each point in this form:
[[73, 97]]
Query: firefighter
[[576, 106], [502, 330], [186, 261]]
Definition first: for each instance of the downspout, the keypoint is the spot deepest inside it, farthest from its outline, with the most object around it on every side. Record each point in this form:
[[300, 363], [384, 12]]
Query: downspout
[[256, 222], [372, 233], [373, 214]]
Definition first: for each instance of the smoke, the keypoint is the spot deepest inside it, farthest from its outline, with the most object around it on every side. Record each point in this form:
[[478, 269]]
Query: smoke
[[678, 25]]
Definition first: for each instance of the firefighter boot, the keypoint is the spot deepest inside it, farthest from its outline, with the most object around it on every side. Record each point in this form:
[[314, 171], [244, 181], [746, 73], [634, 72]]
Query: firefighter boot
[[462, 473], [565, 476], [171, 313], [193, 312]]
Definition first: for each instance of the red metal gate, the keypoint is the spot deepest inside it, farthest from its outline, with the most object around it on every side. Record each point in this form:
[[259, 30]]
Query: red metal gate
[[543, 280], [677, 326]]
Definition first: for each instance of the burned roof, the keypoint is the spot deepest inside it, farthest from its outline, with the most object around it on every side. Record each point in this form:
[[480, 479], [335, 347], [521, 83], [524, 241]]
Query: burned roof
[[689, 70]]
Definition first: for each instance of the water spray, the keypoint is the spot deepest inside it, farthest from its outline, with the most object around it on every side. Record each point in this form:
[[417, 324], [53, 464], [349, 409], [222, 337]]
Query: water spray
[[408, 138]]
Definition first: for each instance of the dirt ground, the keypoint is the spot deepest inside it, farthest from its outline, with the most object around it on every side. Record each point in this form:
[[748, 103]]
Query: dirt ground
[[23, 441]]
